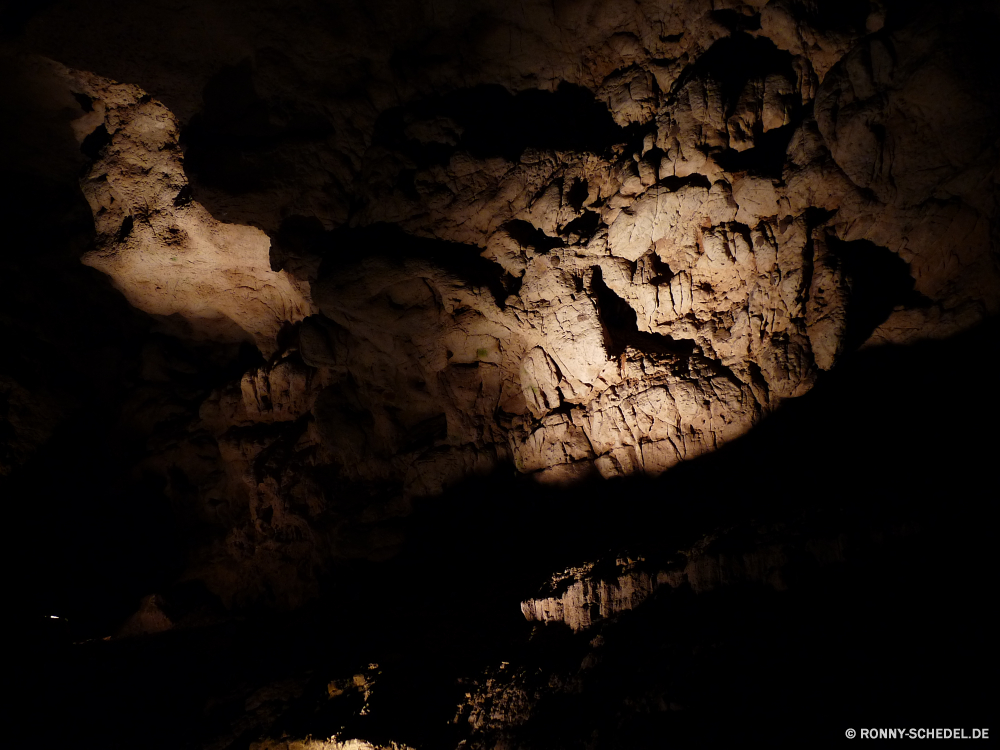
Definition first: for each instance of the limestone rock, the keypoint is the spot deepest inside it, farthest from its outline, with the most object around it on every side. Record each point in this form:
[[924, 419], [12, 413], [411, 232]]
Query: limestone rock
[[586, 598], [585, 595], [579, 239], [909, 118], [166, 254], [332, 743]]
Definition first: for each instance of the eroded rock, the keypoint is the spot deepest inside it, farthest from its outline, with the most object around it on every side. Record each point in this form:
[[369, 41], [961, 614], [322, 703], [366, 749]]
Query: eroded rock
[[611, 248]]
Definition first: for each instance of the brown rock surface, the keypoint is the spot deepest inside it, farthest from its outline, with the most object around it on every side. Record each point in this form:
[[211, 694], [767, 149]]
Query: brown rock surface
[[372, 253]]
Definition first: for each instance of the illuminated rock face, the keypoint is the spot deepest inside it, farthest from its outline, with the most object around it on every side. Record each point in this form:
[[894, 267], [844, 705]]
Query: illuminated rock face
[[164, 251], [595, 241]]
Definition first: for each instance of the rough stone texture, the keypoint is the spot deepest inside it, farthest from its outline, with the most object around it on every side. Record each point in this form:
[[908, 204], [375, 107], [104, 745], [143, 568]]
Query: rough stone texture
[[582, 238], [383, 311], [578, 598], [584, 595], [329, 744], [165, 253]]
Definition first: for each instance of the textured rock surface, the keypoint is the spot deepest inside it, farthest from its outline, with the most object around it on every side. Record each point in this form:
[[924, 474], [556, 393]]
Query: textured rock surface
[[798, 578], [580, 238], [374, 252], [330, 744], [581, 596], [165, 253]]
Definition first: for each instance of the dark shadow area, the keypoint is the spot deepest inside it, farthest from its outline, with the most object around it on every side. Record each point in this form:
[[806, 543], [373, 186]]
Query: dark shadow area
[[674, 183], [846, 647], [345, 245], [836, 15], [584, 225], [734, 60], [15, 14], [493, 122], [528, 235], [95, 142], [231, 142], [889, 461], [901, 13], [577, 194], [735, 21], [766, 158], [880, 281], [863, 462], [104, 539], [80, 369], [301, 242], [90, 537], [896, 632]]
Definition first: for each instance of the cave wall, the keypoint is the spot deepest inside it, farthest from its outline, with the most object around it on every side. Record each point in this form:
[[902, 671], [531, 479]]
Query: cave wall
[[395, 246]]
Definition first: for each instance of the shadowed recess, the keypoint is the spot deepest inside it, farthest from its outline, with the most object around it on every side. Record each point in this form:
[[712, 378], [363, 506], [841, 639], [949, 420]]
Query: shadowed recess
[[766, 158], [389, 241], [490, 121], [880, 280], [231, 140], [734, 60]]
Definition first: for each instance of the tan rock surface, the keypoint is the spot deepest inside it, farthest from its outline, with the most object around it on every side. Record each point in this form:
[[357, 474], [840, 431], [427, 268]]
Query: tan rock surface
[[584, 239]]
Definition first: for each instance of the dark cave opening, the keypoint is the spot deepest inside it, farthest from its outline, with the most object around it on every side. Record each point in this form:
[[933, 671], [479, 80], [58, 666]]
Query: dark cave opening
[[879, 280], [622, 328], [766, 158], [528, 235], [95, 142], [389, 241], [583, 226], [674, 183]]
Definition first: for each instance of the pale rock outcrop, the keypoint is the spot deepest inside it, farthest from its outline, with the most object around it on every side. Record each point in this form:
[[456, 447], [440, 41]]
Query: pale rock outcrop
[[585, 598], [164, 251], [585, 595], [333, 743]]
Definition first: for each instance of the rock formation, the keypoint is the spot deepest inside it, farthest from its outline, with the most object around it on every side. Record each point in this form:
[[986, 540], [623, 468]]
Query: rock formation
[[614, 242], [372, 253]]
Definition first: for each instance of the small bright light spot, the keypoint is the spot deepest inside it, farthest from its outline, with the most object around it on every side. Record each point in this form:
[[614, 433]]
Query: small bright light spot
[[53, 617]]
